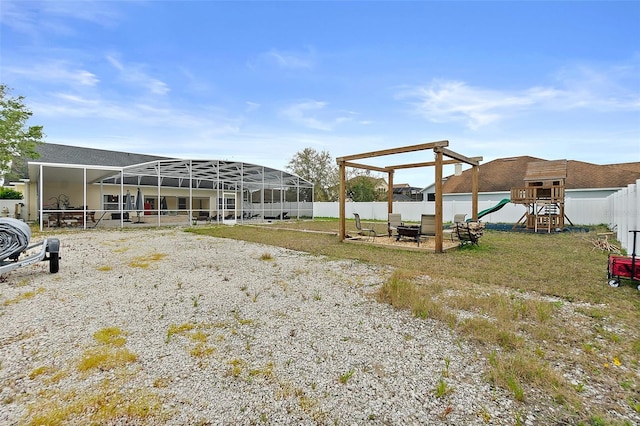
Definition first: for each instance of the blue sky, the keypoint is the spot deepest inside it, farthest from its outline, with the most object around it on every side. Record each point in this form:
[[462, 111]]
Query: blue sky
[[259, 81]]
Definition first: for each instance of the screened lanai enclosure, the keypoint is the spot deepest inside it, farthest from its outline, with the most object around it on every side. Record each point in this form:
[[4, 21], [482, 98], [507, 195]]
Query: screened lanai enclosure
[[165, 192]]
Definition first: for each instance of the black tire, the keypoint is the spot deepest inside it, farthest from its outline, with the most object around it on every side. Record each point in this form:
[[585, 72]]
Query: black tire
[[54, 262]]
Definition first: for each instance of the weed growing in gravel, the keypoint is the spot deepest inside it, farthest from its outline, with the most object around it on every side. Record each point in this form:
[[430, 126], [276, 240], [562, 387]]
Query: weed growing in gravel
[[442, 388], [101, 402], [110, 336], [22, 283], [344, 378], [43, 369], [266, 256], [162, 382], [105, 403], [145, 261], [201, 350], [237, 367], [178, 329], [447, 362], [24, 296], [196, 334], [105, 358], [109, 353], [105, 268]]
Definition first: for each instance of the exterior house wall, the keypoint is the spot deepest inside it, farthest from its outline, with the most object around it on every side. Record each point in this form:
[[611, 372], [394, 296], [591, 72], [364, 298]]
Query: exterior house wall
[[202, 199]]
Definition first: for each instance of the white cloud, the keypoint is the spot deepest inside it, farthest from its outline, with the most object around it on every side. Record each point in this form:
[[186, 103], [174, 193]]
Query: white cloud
[[252, 106], [290, 60], [135, 75], [42, 17], [307, 114], [441, 101], [56, 71], [455, 101], [143, 116]]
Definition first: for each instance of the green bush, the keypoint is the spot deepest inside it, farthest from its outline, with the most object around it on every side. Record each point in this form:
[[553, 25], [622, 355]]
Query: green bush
[[10, 194]]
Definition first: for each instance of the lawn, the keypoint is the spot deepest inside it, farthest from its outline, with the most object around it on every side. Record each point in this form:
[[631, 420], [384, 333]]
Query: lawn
[[537, 306]]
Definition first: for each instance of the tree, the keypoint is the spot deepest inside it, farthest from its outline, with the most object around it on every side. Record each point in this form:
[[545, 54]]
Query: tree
[[362, 187], [317, 167], [18, 142]]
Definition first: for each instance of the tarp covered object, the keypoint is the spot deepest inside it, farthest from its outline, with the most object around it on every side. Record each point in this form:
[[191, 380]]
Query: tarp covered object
[[14, 237]]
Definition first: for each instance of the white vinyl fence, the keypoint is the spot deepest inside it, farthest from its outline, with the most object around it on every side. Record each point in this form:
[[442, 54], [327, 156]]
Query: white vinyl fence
[[624, 215], [580, 211]]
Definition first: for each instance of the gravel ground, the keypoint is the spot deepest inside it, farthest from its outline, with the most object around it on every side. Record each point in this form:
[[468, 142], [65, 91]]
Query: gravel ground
[[226, 332]]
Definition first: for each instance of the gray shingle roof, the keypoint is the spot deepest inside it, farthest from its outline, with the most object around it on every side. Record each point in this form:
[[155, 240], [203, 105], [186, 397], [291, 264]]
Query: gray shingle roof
[[66, 154]]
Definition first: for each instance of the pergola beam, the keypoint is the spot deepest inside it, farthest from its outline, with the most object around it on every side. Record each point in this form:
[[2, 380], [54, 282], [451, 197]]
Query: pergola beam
[[402, 150], [474, 161], [415, 165], [366, 167]]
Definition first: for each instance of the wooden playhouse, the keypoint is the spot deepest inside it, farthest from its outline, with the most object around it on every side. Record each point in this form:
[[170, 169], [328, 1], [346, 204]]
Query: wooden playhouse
[[543, 195]]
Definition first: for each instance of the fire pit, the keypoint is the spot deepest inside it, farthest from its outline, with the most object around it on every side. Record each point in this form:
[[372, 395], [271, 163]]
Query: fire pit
[[412, 232]]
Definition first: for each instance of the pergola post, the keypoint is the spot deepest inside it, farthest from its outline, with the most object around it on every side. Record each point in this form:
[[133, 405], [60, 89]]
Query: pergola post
[[474, 193], [438, 178], [390, 192], [343, 195]]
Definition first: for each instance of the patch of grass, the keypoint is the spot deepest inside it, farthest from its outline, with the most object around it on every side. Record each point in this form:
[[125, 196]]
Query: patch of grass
[[39, 371], [265, 371], [179, 329], [101, 405], [110, 336], [201, 350], [237, 366], [105, 358], [145, 261], [23, 296]]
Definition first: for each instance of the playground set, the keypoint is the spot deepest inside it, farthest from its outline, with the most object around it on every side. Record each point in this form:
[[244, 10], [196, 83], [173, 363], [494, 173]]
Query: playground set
[[543, 196]]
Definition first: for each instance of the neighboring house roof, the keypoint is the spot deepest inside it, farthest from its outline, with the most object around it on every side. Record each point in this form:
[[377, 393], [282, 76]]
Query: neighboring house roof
[[505, 173], [66, 154]]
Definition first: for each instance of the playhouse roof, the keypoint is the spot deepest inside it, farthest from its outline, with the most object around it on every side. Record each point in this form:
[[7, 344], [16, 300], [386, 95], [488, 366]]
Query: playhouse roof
[[505, 173]]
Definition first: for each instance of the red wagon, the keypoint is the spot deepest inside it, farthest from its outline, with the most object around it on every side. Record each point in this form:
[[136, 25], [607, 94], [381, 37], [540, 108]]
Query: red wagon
[[624, 266]]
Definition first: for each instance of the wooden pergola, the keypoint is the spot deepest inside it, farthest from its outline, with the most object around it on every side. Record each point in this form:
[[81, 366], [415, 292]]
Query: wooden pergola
[[440, 151]]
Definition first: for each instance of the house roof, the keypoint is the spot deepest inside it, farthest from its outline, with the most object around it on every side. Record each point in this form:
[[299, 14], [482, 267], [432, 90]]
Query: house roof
[[140, 169], [66, 154], [505, 173]]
